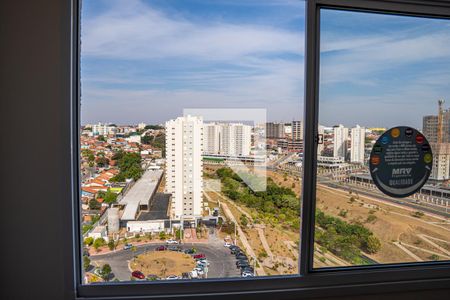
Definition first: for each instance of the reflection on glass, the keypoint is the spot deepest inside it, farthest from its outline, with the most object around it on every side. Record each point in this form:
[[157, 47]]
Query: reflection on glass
[[379, 72], [191, 139]]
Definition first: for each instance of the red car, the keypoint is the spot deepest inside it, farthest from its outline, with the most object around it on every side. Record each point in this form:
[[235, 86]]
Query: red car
[[161, 248], [199, 256], [138, 274]]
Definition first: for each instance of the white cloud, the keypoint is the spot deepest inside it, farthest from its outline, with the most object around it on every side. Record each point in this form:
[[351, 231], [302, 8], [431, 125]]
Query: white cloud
[[136, 31]]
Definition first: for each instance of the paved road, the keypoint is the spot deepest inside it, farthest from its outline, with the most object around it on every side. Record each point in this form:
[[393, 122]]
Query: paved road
[[404, 202], [223, 264]]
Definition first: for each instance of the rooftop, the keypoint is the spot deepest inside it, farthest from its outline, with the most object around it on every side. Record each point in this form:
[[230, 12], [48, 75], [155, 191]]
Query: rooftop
[[158, 208], [140, 193]]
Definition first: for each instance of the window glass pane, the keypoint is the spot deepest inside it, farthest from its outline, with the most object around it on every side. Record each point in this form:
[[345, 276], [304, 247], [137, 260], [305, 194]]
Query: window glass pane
[[381, 77], [191, 138]]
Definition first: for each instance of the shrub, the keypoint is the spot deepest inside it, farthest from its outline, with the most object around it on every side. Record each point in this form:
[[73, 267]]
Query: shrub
[[88, 241], [418, 214], [371, 219]]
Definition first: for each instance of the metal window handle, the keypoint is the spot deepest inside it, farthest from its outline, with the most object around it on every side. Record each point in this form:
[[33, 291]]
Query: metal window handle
[[319, 139]]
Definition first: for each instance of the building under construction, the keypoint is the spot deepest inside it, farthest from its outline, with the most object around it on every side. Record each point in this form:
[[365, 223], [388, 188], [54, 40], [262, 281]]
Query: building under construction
[[437, 131]]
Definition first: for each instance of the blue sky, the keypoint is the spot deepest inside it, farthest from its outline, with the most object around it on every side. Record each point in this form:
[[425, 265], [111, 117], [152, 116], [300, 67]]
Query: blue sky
[[148, 60]]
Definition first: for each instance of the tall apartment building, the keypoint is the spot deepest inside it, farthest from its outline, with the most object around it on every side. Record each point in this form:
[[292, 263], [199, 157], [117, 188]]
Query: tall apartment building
[[297, 130], [441, 149], [274, 130], [340, 137], [103, 129], [441, 161], [231, 139], [430, 125], [358, 135], [184, 168]]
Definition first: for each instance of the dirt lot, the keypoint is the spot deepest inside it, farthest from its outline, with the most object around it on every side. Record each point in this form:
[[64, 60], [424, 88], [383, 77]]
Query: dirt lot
[[427, 237], [163, 263], [390, 224]]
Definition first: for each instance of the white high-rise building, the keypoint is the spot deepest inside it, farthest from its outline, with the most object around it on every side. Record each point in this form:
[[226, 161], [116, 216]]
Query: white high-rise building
[[358, 135], [184, 167], [103, 129], [231, 139], [297, 130], [340, 137], [211, 138]]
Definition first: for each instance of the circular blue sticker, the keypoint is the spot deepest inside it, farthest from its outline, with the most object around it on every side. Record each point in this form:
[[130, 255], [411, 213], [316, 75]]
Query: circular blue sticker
[[401, 161]]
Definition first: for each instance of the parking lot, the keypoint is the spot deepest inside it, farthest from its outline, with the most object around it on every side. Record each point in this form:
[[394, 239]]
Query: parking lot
[[222, 263]]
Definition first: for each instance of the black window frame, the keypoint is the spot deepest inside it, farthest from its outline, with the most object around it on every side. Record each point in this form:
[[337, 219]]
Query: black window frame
[[310, 282]]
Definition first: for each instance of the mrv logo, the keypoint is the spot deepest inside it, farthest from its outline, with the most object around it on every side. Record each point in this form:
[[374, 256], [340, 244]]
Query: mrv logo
[[401, 171]]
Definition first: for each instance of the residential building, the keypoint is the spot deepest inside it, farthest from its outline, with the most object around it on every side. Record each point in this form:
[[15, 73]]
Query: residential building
[[297, 130], [340, 137], [184, 147], [358, 135], [274, 130], [228, 139], [103, 129]]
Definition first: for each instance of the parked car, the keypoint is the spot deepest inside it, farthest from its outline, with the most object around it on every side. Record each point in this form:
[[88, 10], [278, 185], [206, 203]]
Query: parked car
[[228, 245], [152, 277], [241, 260], [241, 256], [202, 264], [172, 277], [172, 242], [185, 276], [138, 275], [160, 248], [86, 252], [203, 261], [247, 274], [235, 250], [193, 274], [199, 271], [199, 256], [242, 264], [190, 251], [127, 246], [174, 248], [247, 269]]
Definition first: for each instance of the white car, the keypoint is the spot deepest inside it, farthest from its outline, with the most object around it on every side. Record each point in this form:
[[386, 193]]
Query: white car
[[172, 277], [199, 271], [172, 242], [247, 274], [228, 245], [194, 274]]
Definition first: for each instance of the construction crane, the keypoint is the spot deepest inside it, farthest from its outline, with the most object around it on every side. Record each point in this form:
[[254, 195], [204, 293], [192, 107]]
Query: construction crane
[[440, 121]]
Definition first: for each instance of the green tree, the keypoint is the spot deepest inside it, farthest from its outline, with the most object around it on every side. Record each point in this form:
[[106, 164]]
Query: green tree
[[101, 138], [94, 204], [111, 245], [86, 263], [244, 220], [102, 161], [147, 139], [372, 244], [88, 241], [154, 127], [110, 197], [106, 272], [98, 243], [162, 235]]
